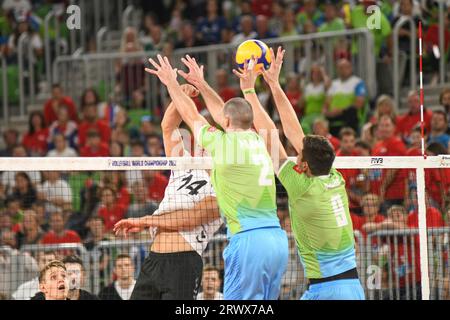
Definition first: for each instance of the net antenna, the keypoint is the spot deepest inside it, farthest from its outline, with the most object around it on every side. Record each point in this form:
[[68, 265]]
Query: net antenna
[[422, 124]]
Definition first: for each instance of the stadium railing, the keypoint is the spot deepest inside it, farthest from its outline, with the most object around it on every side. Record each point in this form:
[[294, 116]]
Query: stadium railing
[[26, 62], [394, 254], [99, 69], [4, 88], [397, 76]]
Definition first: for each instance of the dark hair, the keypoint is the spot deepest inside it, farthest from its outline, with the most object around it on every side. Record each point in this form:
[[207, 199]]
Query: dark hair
[[56, 86], [362, 144], [318, 154], [85, 92], [346, 131], [120, 146], [211, 268], [442, 113], [73, 259], [123, 256], [137, 143], [51, 264], [436, 148], [31, 129], [25, 176]]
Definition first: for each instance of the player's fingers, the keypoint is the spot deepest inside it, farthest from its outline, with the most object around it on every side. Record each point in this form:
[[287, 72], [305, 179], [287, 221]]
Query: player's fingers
[[157, 67], [166, 60], [272, 54], [183, 74], [237, 73], [161, 61], [151, 71], [202, 68]]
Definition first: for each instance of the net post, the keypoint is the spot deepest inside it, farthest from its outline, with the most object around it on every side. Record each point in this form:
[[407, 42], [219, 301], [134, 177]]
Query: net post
[[423, 236]]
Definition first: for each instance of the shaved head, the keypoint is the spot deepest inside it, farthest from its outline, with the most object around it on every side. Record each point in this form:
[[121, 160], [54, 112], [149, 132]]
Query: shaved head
[[239, 112]]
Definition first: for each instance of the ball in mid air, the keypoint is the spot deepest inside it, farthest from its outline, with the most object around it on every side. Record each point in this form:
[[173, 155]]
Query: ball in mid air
[[255, 48]]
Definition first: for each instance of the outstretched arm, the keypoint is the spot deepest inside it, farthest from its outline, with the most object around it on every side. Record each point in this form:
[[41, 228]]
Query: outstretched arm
[[261, 120], [182, 102], [204, 212], [173, 143], [291, 124], [213, 101]]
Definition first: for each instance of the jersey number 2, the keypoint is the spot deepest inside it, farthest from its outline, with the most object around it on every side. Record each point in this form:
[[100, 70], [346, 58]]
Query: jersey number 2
[[194, 186], [339, 211], [265, 169]]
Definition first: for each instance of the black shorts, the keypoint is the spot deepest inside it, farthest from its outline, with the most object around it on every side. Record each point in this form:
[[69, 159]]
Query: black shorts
[[169, 276]]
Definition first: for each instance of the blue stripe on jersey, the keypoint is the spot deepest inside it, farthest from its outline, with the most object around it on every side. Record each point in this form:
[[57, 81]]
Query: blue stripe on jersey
[[335, 263]]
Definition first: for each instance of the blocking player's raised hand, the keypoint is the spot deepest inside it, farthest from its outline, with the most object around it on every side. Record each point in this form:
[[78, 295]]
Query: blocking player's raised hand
[[248, 75], [195, 76], [163, 70], [272, 75], [190, 90]]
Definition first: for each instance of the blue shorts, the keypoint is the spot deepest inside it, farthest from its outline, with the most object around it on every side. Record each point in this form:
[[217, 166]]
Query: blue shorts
[[255, 262], [346, 289]]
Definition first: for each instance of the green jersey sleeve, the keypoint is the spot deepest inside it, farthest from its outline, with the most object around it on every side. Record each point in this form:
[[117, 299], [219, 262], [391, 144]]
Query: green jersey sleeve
[[208, 136], [290, 176]]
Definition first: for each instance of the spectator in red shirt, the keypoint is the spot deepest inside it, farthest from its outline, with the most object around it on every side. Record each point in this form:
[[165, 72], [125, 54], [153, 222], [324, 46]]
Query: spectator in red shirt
[[391, 182], [355, 185], [408, 121], [156, 184], [371, 219], [118, 179], [110, 209], [94, 147], [385, 105], [58, 233], [225, 91], [321, 128], [293, 92], [35, 140], [91, 122], [58, 99], [437, 180]]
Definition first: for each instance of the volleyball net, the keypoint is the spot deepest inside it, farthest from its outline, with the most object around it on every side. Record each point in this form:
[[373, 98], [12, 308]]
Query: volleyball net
[[68, 206]]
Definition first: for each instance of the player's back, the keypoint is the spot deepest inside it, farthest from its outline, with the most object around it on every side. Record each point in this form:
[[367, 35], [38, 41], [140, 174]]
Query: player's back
[[243, 178], [320, 220]]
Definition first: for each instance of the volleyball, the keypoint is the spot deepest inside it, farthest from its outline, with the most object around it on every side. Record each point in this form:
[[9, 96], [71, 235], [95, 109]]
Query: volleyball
[[255, 48]]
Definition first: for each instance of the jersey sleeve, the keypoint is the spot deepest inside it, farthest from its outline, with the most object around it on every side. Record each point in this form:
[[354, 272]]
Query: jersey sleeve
[[292, 179], [360, 89], [208, 136]]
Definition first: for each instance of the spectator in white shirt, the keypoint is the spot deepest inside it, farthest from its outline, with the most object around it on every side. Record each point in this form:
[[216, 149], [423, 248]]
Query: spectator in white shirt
[[210, 284], [28, 289], [122, 288], [56, 192], [61, 148]]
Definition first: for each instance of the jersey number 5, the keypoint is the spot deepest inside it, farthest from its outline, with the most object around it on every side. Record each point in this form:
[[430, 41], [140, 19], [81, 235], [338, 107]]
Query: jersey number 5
[[339, 211], [194, 186]]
